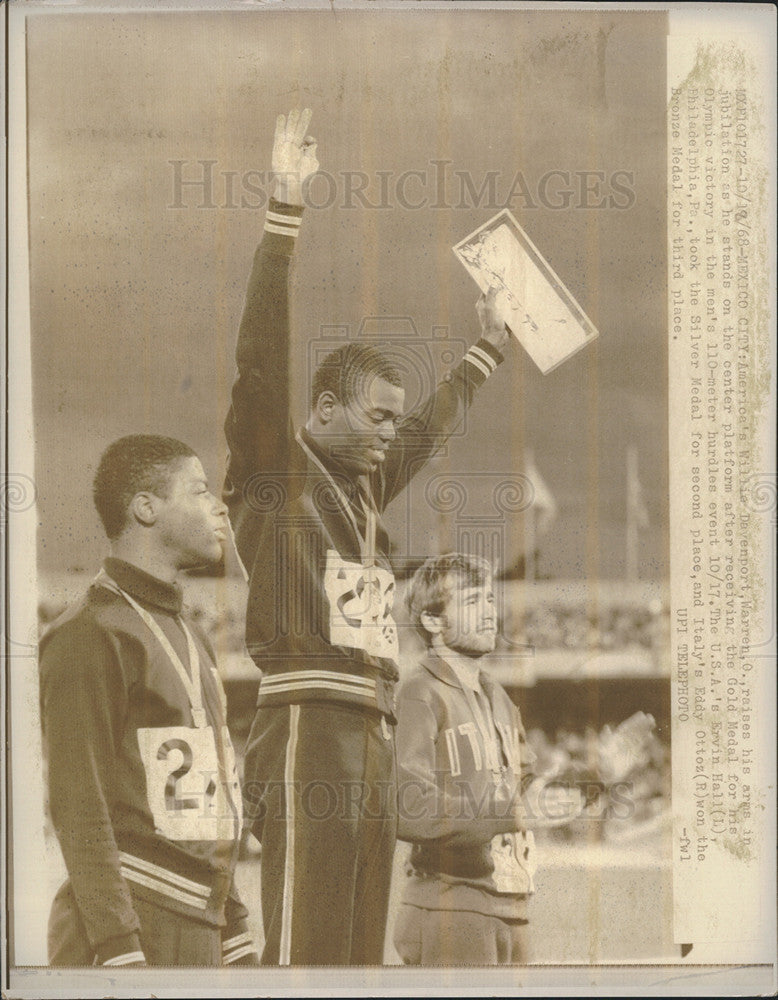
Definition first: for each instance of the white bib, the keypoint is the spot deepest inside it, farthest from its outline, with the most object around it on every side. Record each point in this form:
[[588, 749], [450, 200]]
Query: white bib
[[185, 795], [512, 871], [361, 600]]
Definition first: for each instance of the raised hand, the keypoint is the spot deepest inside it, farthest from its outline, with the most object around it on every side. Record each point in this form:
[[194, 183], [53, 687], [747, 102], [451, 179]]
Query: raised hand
[[294, 155], [625, 748], [493, 328]]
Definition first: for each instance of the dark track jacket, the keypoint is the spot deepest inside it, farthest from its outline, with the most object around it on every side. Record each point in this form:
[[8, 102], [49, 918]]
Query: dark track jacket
[[318, 625], [142, 801]]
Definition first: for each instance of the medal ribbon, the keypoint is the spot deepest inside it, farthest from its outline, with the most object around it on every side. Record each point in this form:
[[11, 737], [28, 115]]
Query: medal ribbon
[[367, 544], [489, 735], [193, 684]]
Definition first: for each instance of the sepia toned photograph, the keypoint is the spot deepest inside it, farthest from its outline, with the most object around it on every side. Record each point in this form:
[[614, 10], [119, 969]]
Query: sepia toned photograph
[[390, 500]]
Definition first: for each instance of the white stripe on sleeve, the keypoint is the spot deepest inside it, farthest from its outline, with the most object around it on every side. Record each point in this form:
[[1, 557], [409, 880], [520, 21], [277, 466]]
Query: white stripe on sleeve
[[129, 958], [476, 363], [487, 359]]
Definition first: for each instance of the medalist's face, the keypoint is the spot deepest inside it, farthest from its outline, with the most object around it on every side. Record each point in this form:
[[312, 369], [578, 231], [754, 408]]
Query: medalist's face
[[359, 434], [191, 520], [469, 620]]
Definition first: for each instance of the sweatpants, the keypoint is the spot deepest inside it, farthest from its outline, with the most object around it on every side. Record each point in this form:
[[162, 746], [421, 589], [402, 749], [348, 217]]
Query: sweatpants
[[167, 938], [321, 788], [459, 937]]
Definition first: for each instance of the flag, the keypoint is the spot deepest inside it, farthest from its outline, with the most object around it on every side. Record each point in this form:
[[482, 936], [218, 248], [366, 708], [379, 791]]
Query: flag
[[544, 506], [637, 515], [636, 507]]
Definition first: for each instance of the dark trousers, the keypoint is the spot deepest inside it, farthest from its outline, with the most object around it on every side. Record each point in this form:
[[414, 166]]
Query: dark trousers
[[321, 787], [166, 938], [459, 937]]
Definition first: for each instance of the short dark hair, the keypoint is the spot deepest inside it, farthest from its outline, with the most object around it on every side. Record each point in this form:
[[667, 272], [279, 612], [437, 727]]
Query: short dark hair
[[433, 582], [130, 465], [343, 370]]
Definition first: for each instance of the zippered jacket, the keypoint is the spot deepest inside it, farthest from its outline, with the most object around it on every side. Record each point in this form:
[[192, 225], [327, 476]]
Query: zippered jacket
[[319, 621], [144, 802], [465, 821]]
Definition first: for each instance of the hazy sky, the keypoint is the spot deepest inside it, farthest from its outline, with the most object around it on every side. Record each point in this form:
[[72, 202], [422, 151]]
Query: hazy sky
[[135, 302]]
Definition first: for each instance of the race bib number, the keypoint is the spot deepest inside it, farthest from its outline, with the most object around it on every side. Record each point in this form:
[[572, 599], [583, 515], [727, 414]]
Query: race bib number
[[185, 795], [513, 857], [361, 600]]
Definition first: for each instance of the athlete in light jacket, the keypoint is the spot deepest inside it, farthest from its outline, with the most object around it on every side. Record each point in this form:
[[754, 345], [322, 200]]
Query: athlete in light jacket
[[143, 790], [462, 754], [306, 511], [468, 794]]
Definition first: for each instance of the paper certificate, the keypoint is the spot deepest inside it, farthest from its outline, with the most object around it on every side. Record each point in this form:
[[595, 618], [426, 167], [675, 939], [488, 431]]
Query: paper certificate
[[537, 308]]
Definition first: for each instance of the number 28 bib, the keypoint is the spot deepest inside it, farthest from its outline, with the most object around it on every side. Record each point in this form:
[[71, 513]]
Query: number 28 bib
[[361, 600]]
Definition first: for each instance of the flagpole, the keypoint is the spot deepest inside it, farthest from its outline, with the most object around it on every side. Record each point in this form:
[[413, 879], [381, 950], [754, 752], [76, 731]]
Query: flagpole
[[530, 543], [631, 560]]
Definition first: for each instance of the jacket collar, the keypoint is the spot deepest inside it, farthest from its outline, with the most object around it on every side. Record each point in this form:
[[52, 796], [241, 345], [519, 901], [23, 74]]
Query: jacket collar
[[334, 466], [351, 485], [146, 589], [443, 671]]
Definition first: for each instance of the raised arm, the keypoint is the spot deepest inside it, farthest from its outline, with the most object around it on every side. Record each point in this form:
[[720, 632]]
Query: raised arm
[[424, 430], [257, 425]]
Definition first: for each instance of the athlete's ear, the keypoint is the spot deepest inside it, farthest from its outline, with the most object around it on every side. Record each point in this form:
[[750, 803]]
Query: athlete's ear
[[325, 405], [143, 508], [432, 623]]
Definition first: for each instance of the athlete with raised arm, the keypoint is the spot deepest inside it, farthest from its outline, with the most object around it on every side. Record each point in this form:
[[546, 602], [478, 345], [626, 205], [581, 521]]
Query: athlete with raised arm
[[306, 507]]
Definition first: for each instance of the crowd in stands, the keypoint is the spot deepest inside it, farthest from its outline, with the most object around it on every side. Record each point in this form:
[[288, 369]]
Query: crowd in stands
[[615, 811], [547, 625]]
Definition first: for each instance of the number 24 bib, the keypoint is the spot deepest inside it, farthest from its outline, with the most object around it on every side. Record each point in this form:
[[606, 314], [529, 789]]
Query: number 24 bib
[[185, 794]]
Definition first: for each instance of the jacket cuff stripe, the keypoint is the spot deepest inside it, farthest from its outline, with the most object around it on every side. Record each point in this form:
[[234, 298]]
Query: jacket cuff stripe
[[477, 363], [478, 352], [489, 349], [284, 220], [130, 958], [234, 942], [239, 953], [270, 227]]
